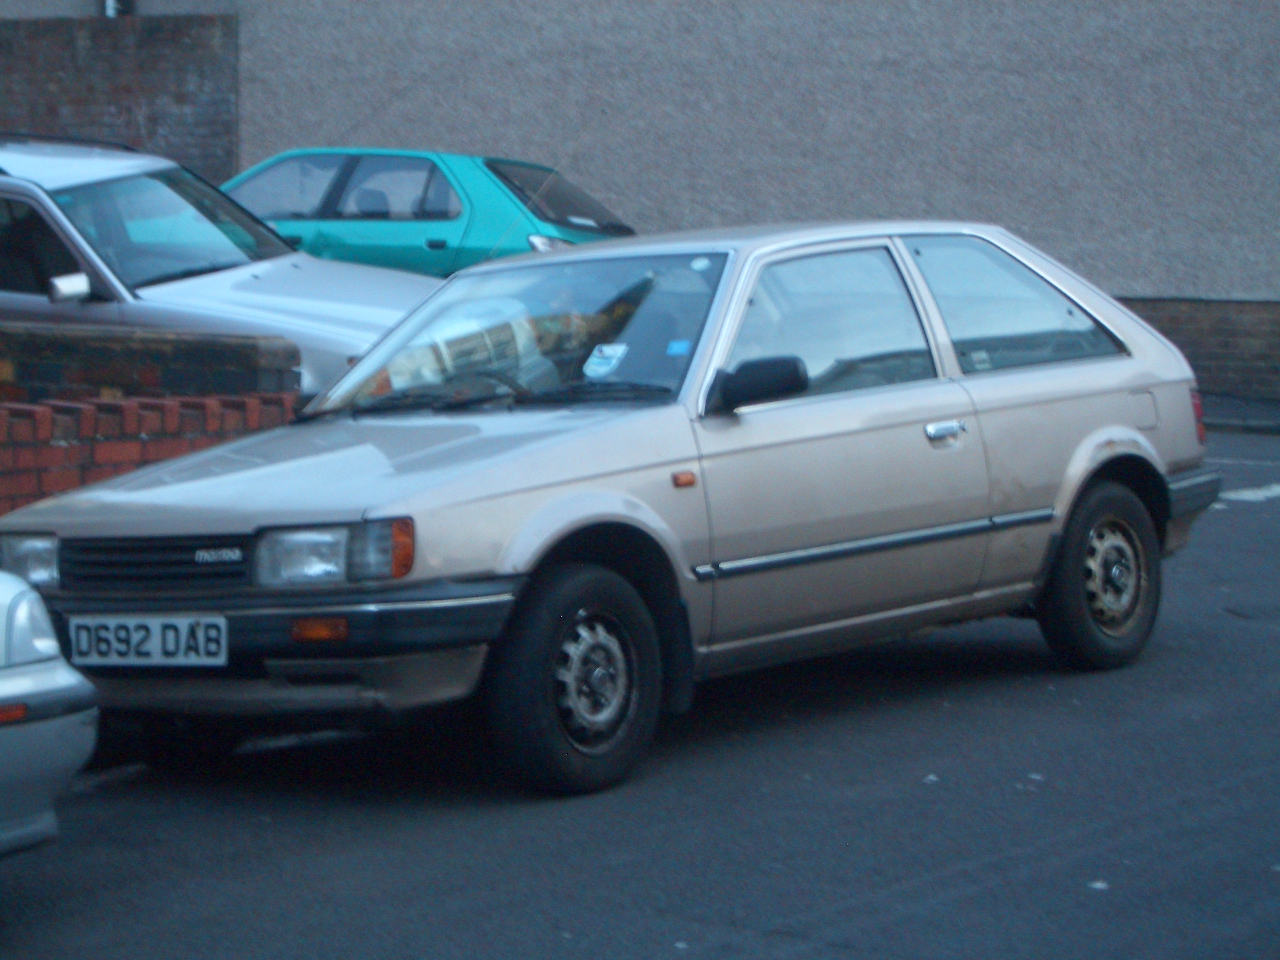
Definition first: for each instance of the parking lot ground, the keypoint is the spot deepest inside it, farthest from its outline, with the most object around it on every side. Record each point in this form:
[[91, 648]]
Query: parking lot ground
[[951, 796]]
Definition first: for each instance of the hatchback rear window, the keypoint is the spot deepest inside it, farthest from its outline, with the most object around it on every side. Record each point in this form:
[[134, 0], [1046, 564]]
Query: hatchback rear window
[[552, 198]]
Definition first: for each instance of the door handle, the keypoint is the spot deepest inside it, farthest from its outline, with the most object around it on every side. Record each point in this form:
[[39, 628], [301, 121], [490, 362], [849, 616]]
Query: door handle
[[436, 244], [945, 429]]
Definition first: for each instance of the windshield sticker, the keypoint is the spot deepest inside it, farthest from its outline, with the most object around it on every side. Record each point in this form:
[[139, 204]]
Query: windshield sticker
[[678, 348], [699, 264], [604, 359]]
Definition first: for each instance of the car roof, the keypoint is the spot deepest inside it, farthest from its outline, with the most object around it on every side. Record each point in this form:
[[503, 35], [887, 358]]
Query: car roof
[[376, 152], [54, 164], [750, 239]]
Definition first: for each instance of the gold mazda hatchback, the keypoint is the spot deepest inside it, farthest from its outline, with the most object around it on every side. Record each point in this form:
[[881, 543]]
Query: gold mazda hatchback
[[580, 483]]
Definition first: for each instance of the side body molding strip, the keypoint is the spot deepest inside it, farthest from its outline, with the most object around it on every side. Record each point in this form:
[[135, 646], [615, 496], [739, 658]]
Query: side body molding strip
[[851, 548]]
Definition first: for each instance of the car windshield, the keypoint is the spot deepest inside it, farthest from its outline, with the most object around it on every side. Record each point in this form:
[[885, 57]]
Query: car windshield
[[610, 329], [165, 225]]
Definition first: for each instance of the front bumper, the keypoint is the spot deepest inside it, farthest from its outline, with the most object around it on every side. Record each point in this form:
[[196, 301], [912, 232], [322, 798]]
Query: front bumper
[[406, 647]]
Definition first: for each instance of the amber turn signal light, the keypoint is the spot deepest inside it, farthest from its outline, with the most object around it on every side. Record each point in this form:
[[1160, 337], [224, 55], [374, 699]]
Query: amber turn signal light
[[401, 546], [320, 629], [684, 478]]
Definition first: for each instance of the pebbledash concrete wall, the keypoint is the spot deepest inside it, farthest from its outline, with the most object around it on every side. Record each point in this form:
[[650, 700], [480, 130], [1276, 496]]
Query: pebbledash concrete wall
[[165, 85], [1134, 141], [55, 446]]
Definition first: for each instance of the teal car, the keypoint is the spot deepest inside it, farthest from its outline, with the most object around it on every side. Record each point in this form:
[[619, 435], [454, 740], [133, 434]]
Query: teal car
[[431, 213]]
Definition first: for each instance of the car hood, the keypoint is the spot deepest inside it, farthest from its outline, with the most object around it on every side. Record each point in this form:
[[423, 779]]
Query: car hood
[[340, 469], [299, 296]]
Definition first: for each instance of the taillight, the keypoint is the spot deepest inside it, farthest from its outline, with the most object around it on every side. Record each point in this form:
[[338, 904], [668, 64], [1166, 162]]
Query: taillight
[[1198, 406]]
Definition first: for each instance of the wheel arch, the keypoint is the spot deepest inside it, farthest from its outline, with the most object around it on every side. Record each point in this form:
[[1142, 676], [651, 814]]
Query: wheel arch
[[639, 557], [1121, 456]]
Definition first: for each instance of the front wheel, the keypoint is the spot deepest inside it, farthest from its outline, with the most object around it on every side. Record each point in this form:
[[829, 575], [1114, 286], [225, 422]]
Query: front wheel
[[1099, 607], [573, 690]]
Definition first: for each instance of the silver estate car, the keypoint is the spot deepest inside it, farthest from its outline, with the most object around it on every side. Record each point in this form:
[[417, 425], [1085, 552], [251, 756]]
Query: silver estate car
[[580, 483], [48, 719], [103, 236]]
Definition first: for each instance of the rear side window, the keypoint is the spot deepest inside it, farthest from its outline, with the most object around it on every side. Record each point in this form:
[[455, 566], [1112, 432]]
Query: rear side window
[[999, 313], [552, 198], [398, 188], [847, 315], [31, 254], [291, 189]]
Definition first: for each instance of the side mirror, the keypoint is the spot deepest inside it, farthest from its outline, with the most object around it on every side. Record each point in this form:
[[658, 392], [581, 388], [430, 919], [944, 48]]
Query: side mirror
[[71, 286], [755, 381]]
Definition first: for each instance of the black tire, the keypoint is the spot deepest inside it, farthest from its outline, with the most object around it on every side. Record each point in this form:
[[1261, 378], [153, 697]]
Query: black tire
[[574, 688], [1099, 606]]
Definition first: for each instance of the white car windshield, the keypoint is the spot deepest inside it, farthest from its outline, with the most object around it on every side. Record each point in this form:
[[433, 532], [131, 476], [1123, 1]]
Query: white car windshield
[[617, 328], [165, 226]]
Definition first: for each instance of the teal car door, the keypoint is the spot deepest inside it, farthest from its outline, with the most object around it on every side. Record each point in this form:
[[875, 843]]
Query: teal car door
[[394, 210], [290, 193]]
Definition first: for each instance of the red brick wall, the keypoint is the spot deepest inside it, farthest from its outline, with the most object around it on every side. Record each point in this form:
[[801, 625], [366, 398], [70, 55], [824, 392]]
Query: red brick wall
[[1233, 345], [46, 448], [166, 85]]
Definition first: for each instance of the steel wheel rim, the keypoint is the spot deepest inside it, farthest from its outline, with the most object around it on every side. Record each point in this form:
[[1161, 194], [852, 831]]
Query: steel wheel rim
[[594, 681], [1115, 575]]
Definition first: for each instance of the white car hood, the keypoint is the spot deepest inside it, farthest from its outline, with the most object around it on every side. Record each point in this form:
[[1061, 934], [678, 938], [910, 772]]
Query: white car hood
[[300, 297]]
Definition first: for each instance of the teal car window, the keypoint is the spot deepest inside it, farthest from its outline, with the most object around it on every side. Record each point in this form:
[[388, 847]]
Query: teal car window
[[291, 189], [612, 328], [999, 313], [550, 197], [164, 226], [398, 188]]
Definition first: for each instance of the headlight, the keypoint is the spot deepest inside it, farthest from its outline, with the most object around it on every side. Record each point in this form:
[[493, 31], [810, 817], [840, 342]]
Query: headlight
[[33, 558], [380, 550], [31, 635], [544, 244]]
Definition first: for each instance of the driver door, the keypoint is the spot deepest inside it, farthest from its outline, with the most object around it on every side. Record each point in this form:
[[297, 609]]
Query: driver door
[[868, 492]]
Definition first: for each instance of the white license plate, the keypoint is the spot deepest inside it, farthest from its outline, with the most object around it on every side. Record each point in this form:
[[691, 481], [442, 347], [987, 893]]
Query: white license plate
[[184, 640]]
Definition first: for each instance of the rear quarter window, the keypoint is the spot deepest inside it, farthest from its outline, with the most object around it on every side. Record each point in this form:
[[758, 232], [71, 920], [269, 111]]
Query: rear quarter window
[[999, 313], [550, 197]]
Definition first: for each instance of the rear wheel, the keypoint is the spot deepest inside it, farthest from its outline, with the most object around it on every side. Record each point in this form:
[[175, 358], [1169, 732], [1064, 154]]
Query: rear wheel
[[1099, 607], [574, 688]]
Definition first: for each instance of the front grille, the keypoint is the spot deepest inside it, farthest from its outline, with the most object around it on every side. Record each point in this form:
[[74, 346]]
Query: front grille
[[162, 565]]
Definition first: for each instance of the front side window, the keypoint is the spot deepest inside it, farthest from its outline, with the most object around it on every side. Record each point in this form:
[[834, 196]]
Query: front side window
[[164, 226], [594, 330], [292, 189], [31, 254], [999, 313], [846, 315], [550, 197], [398, 188]]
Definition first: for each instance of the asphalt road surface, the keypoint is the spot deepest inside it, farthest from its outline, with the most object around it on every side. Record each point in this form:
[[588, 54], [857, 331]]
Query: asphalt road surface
[[958, 796]]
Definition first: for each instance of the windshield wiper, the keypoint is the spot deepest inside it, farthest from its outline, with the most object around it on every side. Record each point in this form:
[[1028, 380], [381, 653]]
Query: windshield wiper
[[428, 400], [597, 390], [187, 272]]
